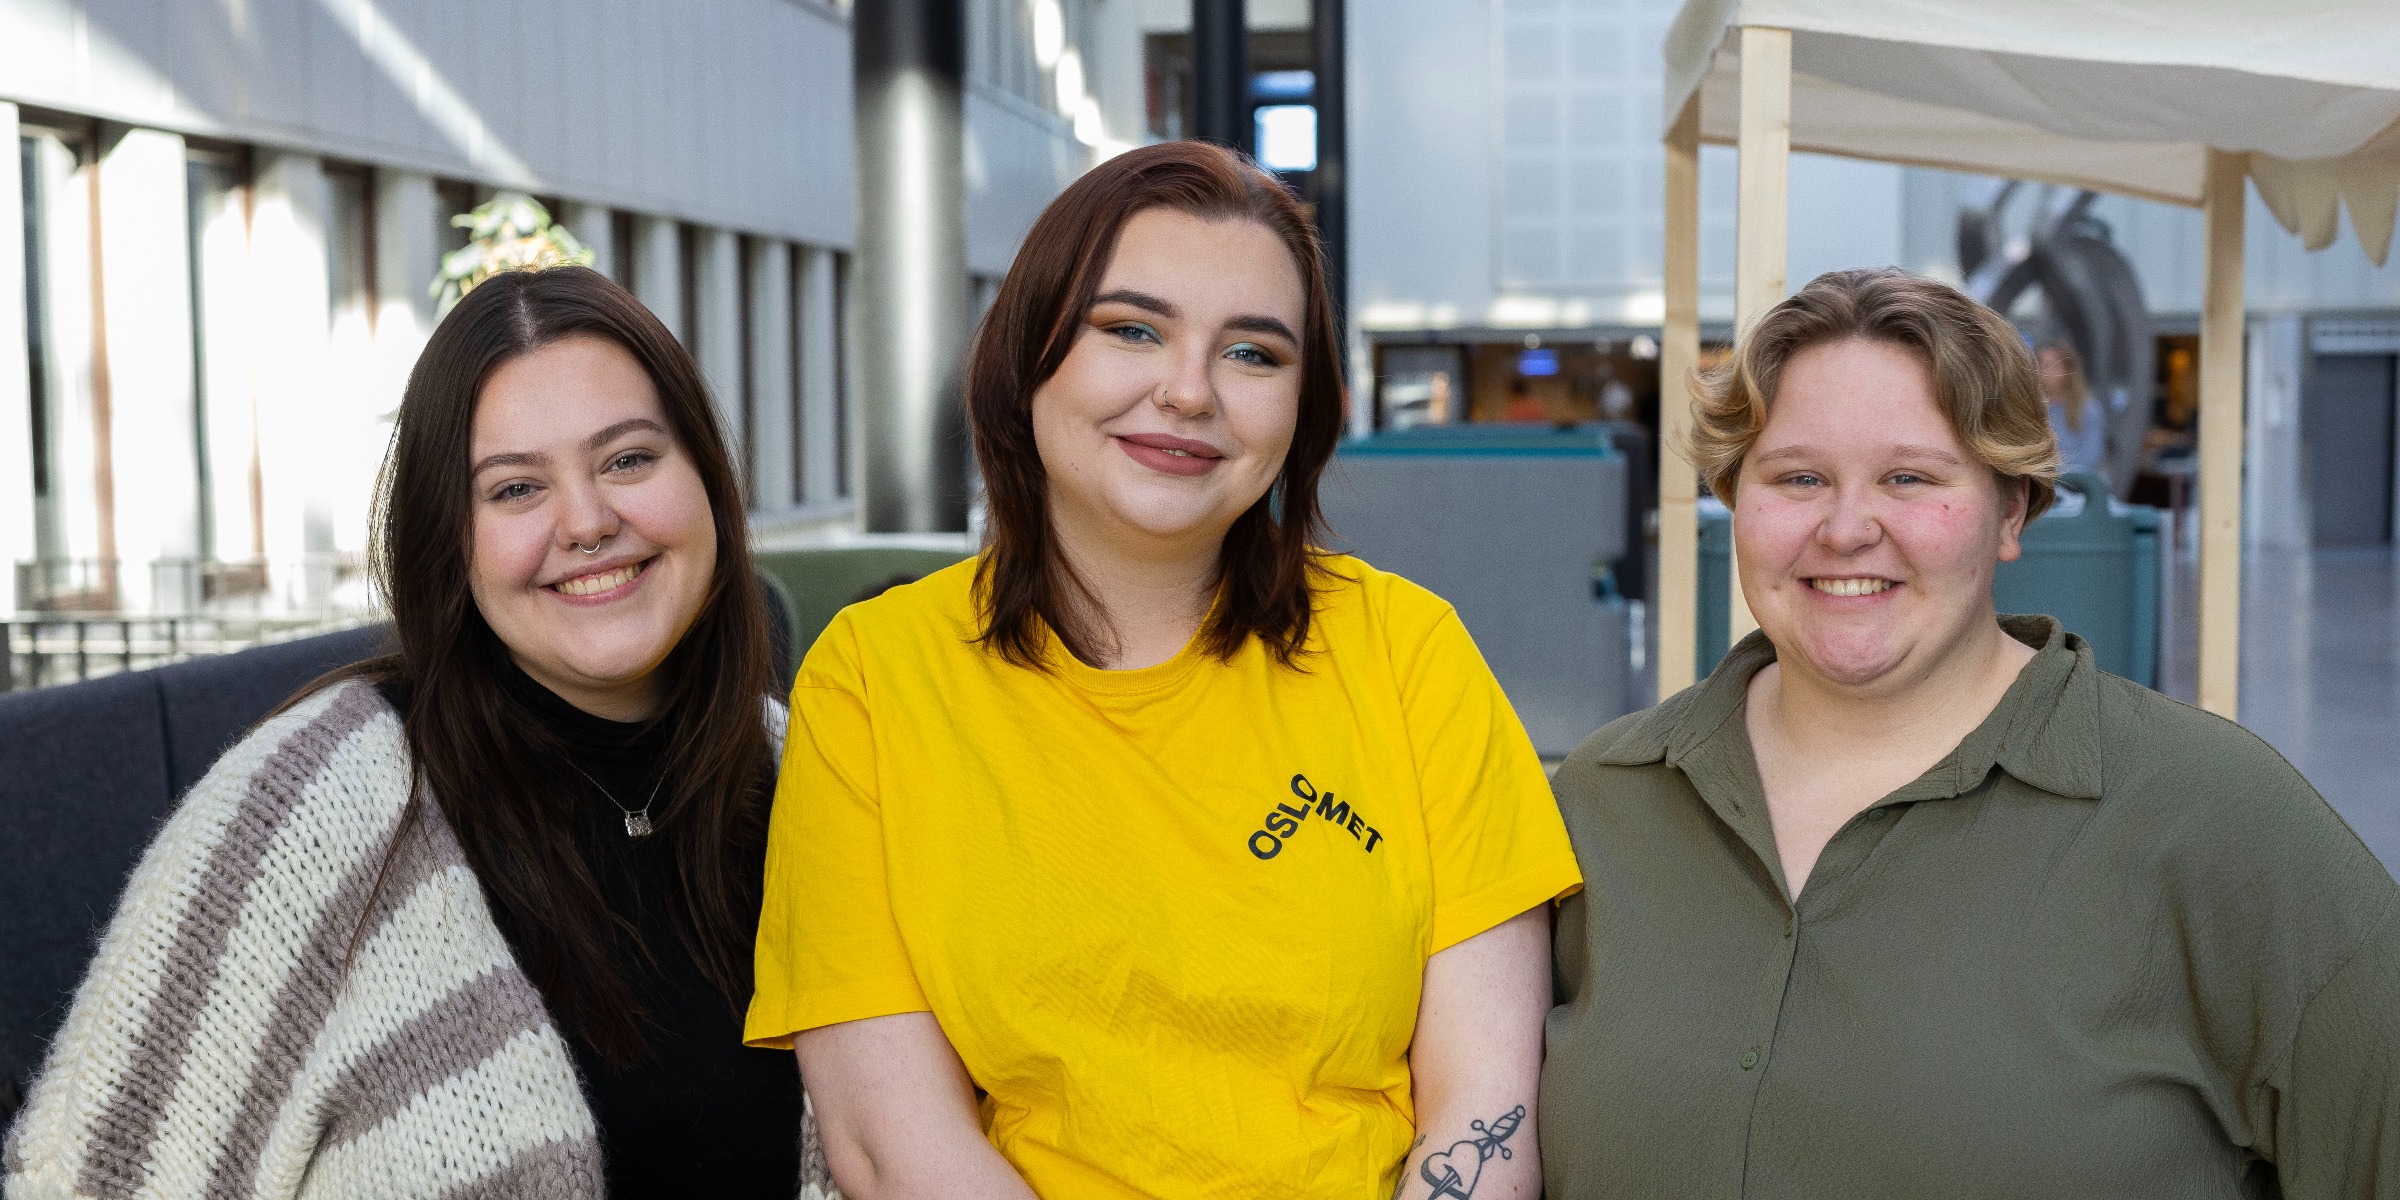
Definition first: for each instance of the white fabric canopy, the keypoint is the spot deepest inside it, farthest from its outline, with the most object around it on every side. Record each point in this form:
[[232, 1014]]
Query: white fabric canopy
[[2118, 95]]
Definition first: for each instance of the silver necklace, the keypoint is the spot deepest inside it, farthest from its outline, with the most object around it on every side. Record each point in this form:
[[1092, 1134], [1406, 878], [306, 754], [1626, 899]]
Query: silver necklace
[[637, 824]]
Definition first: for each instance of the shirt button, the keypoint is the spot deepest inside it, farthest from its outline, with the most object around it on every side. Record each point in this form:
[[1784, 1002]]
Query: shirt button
[[1877, 814], [1749, 1060]]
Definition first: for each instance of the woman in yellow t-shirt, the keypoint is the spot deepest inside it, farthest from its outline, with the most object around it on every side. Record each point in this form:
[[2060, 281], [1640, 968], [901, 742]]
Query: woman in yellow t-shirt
[[1154, 852]]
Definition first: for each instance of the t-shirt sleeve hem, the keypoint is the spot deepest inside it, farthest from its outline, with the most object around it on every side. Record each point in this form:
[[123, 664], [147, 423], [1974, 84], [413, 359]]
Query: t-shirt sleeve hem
[[773, 1028], [1489, 907]]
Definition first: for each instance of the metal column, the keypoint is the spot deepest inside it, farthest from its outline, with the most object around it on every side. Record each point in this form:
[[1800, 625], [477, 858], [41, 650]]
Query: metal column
[[1221, 73], [1327, 183], [909, 58]]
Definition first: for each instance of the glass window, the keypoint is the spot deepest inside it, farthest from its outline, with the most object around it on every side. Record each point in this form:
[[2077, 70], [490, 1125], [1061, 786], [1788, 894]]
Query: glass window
[[1286, 136], [687, 261], [451, 199], [622, 251], [349, 252]]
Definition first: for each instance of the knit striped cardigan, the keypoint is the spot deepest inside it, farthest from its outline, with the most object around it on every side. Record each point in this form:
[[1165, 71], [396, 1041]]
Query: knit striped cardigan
[[219, 1048]]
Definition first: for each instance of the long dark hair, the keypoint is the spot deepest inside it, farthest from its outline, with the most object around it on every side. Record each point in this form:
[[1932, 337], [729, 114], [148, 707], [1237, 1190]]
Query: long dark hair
[[1270, 555], [494, 770]]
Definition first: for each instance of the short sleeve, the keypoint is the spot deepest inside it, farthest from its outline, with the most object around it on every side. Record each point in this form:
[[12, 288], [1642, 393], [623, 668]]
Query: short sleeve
[[828, 948], [1498, 844]]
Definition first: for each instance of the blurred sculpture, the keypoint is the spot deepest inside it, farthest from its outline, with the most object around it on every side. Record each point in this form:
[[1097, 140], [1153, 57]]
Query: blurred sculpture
[[2047, 242]]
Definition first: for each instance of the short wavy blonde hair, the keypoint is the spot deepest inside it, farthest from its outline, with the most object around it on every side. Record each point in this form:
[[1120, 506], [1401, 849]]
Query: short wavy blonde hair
[[1984, 380]]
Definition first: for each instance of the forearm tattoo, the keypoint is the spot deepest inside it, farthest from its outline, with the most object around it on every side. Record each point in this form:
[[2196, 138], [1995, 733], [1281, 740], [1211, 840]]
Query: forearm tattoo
[[1455, 1171]]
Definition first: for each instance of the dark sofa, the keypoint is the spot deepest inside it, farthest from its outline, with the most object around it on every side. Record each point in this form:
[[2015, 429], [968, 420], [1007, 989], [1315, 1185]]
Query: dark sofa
[[87, 773]]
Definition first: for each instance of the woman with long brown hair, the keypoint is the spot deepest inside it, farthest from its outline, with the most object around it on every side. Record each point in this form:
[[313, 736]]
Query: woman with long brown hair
[[474, 918], [1217, 864]]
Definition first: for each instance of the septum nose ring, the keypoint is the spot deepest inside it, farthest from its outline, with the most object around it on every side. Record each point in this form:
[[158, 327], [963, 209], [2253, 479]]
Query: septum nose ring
[[594, 548]]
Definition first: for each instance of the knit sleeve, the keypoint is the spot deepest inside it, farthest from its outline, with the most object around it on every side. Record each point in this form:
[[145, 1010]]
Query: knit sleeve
[[208, 987]]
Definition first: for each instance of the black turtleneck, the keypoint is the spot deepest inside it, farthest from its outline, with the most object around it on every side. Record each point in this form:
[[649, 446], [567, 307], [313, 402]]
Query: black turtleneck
[[701, 1115]]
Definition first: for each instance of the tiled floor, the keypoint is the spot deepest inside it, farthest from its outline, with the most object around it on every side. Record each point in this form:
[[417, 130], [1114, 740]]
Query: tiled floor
[[2320, 674]]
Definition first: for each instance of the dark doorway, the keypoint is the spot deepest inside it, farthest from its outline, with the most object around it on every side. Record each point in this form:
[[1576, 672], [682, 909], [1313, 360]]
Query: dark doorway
[[2346, 423]]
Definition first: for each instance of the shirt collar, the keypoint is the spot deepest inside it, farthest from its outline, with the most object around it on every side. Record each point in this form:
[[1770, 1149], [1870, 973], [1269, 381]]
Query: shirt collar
[[2044, 731]]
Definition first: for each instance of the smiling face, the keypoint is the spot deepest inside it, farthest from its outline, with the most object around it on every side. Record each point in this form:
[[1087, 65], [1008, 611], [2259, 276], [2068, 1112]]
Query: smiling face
[[572, 451], [1867, 533], [1172, 412]]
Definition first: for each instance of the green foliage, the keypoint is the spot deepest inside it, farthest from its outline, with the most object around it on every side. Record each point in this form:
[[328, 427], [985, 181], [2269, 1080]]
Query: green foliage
[[509, 232]]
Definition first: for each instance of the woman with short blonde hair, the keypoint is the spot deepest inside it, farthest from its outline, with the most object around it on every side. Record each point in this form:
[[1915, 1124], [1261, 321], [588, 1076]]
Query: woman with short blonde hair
[[1908, 898], [1983, 383]]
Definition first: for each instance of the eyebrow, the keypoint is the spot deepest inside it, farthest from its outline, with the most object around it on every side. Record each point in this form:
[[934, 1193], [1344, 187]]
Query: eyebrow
[[1929, 453], [1141, 300], [531, 458], [1249, 324], [1246, 323]]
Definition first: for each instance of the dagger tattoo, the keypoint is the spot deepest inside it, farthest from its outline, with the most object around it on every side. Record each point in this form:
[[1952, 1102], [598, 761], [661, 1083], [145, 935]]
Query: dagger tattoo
[[1456, 1171]]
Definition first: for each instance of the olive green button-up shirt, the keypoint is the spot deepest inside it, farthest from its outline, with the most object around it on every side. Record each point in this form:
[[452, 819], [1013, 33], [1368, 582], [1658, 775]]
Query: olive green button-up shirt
[[2111, 946]]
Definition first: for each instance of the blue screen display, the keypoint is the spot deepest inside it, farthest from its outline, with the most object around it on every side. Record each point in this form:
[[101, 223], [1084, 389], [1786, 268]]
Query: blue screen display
[[1283, 85], [1537, 362]]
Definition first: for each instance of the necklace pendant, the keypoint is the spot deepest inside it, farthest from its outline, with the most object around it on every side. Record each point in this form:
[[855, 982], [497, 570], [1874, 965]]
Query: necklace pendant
[[637, 824]]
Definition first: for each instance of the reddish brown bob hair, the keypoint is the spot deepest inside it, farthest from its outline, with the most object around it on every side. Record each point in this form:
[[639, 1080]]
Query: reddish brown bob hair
[[1270, 556]]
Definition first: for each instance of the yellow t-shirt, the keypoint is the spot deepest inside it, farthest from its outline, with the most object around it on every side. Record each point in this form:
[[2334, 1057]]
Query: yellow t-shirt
[[1174, 920]]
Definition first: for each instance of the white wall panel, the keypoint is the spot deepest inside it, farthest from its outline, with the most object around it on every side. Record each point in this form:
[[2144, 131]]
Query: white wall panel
[[407, 257], [820, 430], [204, 37], [658, 272], [717, 333], [590, 223], [732, 113], [228, 347], [580, 93], [35, 36], [1506, 170], [146, 319], [288, 236], [1017, 158], [1854, 216], [276, 66], [1422, 124], [772, 432], [2275, 502], [338, 33]]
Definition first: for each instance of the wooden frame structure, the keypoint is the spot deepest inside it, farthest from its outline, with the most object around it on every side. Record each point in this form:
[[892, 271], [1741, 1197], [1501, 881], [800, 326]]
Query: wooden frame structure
[[1764, 143]]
